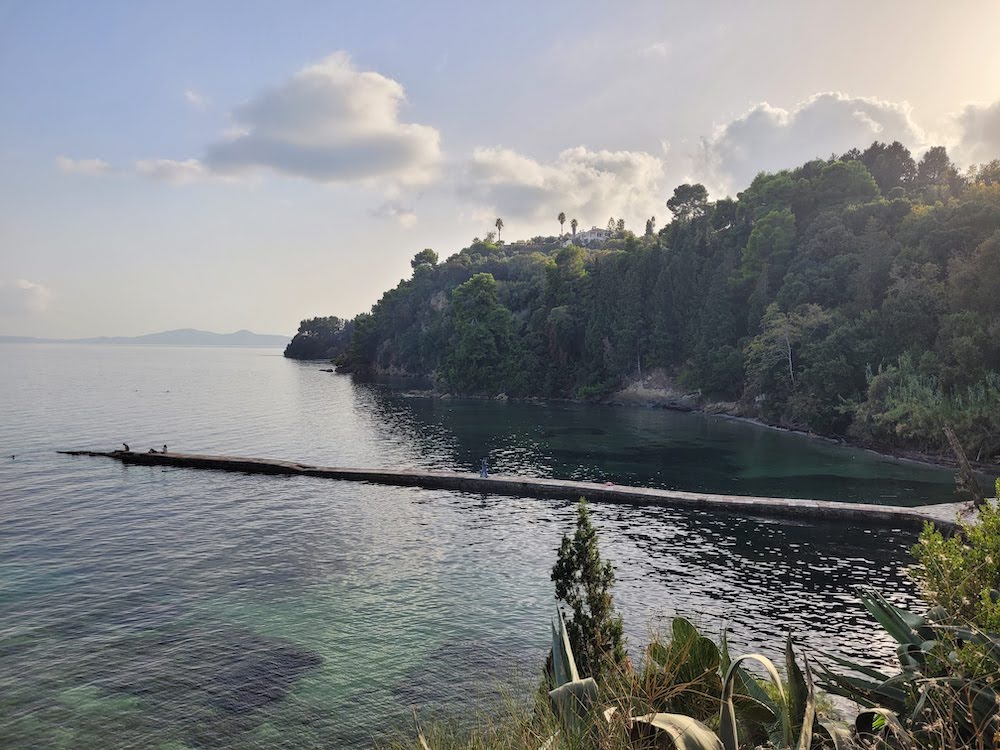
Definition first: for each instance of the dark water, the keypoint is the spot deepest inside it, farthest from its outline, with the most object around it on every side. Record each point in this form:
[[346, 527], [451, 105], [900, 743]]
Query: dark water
[[151, 608]]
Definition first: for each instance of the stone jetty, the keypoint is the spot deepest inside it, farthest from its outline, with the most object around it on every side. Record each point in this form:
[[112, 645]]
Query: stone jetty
[[864, 514]]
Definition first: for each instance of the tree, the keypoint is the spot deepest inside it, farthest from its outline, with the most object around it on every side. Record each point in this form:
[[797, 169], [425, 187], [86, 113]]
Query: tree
[[688, 201], [612, 224], [573, 225], [724, 214], [620, 225], [425, 257], [769, 248], [482, 354], [562, 220], [583, 583], [985, 174], [321, 338], [650, 226], [892, 166], [937, 175], [499, 226], [843, 182], [775, 349], [975, 280]]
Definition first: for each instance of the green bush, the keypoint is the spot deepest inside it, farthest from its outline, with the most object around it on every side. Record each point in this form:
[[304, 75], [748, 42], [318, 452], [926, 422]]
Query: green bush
[[961, 573]]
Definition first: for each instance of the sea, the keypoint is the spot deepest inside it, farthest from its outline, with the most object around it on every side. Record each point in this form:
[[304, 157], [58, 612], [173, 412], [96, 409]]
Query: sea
[[165, 608]]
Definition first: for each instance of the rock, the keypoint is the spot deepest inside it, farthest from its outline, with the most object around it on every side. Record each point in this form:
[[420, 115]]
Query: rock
[[728, 408], [657, 389]]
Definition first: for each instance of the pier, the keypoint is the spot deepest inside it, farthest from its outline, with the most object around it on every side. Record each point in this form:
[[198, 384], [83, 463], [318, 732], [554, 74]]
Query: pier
[[868, 514]]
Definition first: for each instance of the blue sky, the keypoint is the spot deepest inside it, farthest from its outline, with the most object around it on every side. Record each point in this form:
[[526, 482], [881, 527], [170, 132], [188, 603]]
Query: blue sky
[[225, 165]]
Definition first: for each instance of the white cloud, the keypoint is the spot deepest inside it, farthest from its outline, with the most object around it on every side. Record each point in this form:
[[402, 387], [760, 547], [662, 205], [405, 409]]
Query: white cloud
[[405, 217], [588, 185], [83, 166], [171, 171], [979, 138], [196, 100], [332, 123], [21, 296], [770, 138], [656, 51]]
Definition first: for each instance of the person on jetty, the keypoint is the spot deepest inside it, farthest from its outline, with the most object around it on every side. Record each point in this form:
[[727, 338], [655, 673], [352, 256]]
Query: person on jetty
[[127, 449], [483, 469], [164, 448]]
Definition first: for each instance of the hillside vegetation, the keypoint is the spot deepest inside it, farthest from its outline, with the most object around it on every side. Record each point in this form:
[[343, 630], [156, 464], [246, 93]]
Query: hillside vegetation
[[857, 296]]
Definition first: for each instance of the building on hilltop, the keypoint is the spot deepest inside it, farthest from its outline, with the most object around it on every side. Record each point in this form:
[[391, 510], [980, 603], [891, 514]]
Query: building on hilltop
[[589, 237]]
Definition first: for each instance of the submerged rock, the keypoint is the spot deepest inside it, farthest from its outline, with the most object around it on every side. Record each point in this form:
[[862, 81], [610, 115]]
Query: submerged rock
[[252, 681], [209, 683]]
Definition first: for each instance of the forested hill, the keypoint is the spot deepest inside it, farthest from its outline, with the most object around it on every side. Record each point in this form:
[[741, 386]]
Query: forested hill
[[858, 295]]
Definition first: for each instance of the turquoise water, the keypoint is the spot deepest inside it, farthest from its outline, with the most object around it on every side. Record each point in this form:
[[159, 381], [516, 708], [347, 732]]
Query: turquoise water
[[144, 607]]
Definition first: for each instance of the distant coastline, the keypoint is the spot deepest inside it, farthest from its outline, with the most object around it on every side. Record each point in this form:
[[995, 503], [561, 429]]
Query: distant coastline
[[179, 337]]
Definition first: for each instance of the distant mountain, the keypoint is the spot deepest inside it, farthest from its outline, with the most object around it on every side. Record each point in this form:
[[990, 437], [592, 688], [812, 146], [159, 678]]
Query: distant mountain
[[180, 337]]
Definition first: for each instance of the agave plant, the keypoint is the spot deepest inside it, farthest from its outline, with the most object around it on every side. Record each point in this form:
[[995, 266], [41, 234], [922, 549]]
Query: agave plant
[[945, 692], [789, 716]]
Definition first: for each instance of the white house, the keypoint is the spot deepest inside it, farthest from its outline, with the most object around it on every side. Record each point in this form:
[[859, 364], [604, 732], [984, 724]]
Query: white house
[[592, 236]]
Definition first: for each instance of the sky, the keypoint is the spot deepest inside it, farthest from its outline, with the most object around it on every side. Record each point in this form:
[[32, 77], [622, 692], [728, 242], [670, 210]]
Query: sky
[[225, 165]]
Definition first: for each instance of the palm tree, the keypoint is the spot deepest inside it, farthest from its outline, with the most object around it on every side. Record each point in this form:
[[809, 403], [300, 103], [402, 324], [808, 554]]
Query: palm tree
[[562, 220], [573, 225], [499, 226]]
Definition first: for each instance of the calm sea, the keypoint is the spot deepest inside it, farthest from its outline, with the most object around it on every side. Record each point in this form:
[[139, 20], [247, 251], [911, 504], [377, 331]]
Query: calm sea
[[162, 608]]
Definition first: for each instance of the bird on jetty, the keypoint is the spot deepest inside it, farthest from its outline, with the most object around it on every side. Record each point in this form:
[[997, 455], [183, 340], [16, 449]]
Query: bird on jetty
[[164, 447], [127, 449]]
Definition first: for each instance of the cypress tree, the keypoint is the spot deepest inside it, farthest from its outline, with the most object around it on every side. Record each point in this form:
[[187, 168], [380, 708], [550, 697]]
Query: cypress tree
[[583, 583]]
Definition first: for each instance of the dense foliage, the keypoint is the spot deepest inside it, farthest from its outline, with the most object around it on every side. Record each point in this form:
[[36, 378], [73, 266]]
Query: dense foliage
[[961, 573], [851, 296], [320, 338]]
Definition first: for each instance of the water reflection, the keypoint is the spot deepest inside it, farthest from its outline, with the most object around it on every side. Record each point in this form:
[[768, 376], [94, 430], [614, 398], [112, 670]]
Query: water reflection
[[646, 447]]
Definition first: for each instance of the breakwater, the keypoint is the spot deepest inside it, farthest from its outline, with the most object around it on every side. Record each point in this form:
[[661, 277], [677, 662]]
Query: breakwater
[[943, 514]]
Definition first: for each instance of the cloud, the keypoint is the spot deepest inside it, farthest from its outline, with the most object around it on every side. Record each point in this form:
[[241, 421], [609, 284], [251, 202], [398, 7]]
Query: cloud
[[22, 296], [656, 51], [331, 123], [979, 139], [770, 138], [196, 100], [588, 185], [406, 217], [83, 166], [171, 171]]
